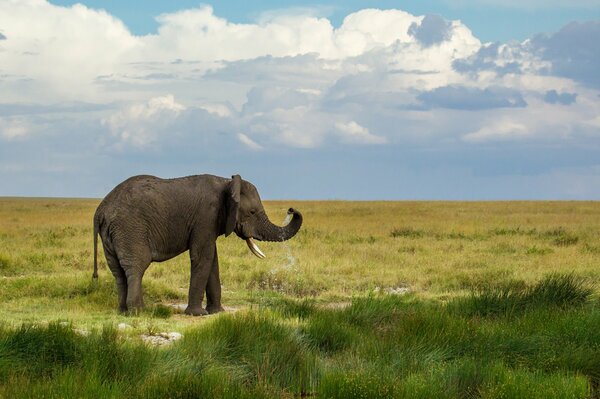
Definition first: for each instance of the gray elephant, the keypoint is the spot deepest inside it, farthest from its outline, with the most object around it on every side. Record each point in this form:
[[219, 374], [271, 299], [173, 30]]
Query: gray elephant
[[148, 219]]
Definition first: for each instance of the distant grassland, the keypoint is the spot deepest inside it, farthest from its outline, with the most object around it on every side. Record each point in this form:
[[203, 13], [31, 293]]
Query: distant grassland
[[370, 299]]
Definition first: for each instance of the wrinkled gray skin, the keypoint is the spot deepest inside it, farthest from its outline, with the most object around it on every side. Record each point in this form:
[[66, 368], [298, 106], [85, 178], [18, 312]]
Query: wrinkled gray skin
[[147, 219]]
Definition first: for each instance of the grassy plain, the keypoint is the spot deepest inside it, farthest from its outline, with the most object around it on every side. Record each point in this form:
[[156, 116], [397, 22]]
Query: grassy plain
[[370, 299]]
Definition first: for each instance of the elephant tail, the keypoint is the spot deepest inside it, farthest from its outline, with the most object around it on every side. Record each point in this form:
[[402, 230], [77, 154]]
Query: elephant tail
[[96, 231]]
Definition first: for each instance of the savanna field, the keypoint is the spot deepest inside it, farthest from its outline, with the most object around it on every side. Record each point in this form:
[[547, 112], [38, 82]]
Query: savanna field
[[369, 300]]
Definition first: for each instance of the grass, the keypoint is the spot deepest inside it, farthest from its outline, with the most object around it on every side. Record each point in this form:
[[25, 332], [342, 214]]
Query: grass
[[378, 346], [554, 291], [385, 299]]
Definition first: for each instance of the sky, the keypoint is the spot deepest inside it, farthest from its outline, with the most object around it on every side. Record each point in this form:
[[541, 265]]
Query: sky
[[391, 100]]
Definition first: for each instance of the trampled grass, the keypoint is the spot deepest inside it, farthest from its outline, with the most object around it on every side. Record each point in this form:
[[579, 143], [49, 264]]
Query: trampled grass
[[371, 299]]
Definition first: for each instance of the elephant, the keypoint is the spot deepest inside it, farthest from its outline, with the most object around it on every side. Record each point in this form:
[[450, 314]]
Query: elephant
[[148, 219]]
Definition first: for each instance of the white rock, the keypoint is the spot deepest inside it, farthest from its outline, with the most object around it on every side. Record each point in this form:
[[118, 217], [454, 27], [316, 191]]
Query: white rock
[[123, 326], [81, 331], [160, 339], [174, 336], [397, 290]]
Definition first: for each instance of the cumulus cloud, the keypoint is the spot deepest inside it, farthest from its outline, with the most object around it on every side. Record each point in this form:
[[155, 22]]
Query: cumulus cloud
[[289, 81], [352, 132], [139, 125], [248, 142], [500, 131]]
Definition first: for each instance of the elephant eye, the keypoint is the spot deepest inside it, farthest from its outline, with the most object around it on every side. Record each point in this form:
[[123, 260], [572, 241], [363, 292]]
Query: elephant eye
[[252, 211]]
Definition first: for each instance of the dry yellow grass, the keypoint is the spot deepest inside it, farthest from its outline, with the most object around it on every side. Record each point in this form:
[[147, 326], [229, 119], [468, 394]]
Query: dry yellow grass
[[435, 249]]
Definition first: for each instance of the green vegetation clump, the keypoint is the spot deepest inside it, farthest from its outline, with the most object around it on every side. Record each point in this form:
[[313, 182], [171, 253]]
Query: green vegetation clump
[[407, 232], [259, 347], [515, 231], [6, 264], [535, 250], [561, 237], [553, 291], [162, 311]]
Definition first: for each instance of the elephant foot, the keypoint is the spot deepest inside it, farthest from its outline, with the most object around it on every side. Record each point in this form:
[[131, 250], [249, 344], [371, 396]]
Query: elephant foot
[[195, 311], [123, 309], [212, 309]]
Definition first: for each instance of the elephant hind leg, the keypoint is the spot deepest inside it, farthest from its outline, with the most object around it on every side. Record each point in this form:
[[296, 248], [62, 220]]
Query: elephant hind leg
[[120, 278], [134, 273]]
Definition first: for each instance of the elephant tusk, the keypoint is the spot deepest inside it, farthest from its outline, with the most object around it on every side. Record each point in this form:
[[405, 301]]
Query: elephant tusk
[[255, 249]]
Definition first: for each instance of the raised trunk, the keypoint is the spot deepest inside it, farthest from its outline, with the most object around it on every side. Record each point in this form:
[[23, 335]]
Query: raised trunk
[[267, 231]]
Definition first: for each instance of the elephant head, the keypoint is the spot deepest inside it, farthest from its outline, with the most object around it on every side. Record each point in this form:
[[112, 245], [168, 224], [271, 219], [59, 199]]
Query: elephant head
[[245, 215]]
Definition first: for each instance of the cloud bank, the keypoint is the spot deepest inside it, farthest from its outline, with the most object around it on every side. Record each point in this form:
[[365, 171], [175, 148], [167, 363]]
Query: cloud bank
[[203, 87]]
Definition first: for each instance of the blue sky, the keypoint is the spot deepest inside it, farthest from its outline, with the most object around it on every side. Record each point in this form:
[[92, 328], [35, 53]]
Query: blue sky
[[452, 99], [493, 20]]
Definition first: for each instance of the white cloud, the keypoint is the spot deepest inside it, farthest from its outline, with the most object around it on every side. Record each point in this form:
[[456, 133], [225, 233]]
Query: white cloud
[[500, 131], [291, 78], [139, 125], [13, 128], [352, 132], [248, 142], [60, 49]]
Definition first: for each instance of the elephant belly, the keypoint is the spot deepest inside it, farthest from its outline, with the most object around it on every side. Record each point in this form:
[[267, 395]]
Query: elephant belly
[[161, 256]]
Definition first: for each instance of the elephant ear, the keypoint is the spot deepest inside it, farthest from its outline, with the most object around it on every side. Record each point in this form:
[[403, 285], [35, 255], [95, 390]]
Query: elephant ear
[[232, 203]]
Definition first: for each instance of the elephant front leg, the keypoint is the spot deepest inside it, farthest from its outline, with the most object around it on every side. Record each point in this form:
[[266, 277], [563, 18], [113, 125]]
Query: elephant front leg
[[213, 288], [201, 259]]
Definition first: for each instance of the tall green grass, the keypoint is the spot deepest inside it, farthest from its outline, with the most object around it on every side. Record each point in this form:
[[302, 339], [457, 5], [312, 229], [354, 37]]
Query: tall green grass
[[555, 290], [380, 346]]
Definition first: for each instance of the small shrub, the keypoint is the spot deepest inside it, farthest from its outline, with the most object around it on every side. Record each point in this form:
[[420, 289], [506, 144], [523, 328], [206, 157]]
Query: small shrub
[[505, 231], [39, 350], [112, 359], [291, 308], [327, 333], [162, 311], [592, 249], [373, 311], [407, 232], [264, 350], [566, 240], [560, 237], [559, 290], [5, 263], [535, 250], [555, 232], [555, 290], [465, 378]]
